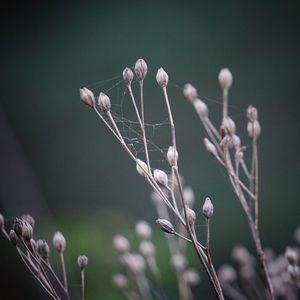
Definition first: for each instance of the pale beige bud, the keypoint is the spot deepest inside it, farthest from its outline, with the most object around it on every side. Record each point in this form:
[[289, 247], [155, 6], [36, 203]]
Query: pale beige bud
[[120, 281], [192, 277], [142, 168], [208, 208], [190, 92], [160, 177], [140, 69], [239, 155], [189, 196], [228, 125], [253, 129], [147, 249], [143, 230], [191, 216], [135, 262], [252, 113], [242, 256], [121, 244], [104, 102], [87, 97], [127, 76], [210, 147], [162, 77], [59, 242], [165, 226], [27, 231], [201, 108], [43, 248], [227, 274], [172, 156], [82, 261], [29, 219], [291, 255], [178, 261], [225, 79]]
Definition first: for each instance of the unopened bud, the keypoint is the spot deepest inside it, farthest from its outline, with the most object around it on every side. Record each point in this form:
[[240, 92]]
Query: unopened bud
[[291, 255], [59, 242], [191, 216], [140, 69], [178, 261], [242, 256], [120, 281], [227, 274], [189, 196], [189, 92], [127, 76], [165, 226], [135, 262], [121, 244], [31, 245], [210, 147], [27, 231], [141, 168], [162, 77], [192, 277], [13, 237], [201, 108], [87, 97], [252, 113], [29, 219], [172, 156], [253, 129], [208, 208], [43, 248], [2, 222], [236, 141], [18, 226], [239, 155], [82, 261], [147, 249], [225, 79], [228, 126], [143, 230], [160, 177], [104, 102]]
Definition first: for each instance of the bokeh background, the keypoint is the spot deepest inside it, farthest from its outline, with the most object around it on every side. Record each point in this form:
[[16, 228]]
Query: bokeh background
[[60, 164]]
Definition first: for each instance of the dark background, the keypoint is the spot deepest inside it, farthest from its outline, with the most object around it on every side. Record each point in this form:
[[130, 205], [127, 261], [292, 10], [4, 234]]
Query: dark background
[[59, 163]]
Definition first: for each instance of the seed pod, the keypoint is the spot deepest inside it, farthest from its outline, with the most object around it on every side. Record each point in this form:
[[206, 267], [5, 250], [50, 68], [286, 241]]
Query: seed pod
[[104, 102], [225, 79], [210, 147], [165, 226], [208, 208], [13, 237], [189, 92], [162, 77], [160, 177], [87, 97], [201, 108], [82, 261], [127, 76], [142, 168], [172, 156], [143, 230], [59, 242], [140, 69], [121, 244]]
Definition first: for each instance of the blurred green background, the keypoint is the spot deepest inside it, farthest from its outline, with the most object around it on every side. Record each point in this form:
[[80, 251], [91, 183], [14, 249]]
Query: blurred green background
[[59, 163]]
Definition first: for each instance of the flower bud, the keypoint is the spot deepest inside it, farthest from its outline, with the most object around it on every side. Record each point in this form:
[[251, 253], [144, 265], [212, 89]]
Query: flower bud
[[189, 92], [165, 226], [29, 219], [104, 102], [59, 242], [253, 129], [127, 76], [252, 113], [27, 231], [121, 244], [228, 126], [189, 196], [225, 79], [207, 208], [147, 249], [87, 97], [140, 69], [227, 274], [120, 281], [143, 230], [82, 261], [31, 245], [2, 222], [43, 248], [135, 262], [172, 156], [236, 141], [162, 77], [178, 261], [191, 216], [192, 277], [239, 155], [291, 255], [201, 108], [13, 237], [242, 256], [141, 168], [18, 226], [160, 177], [210, 147]]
